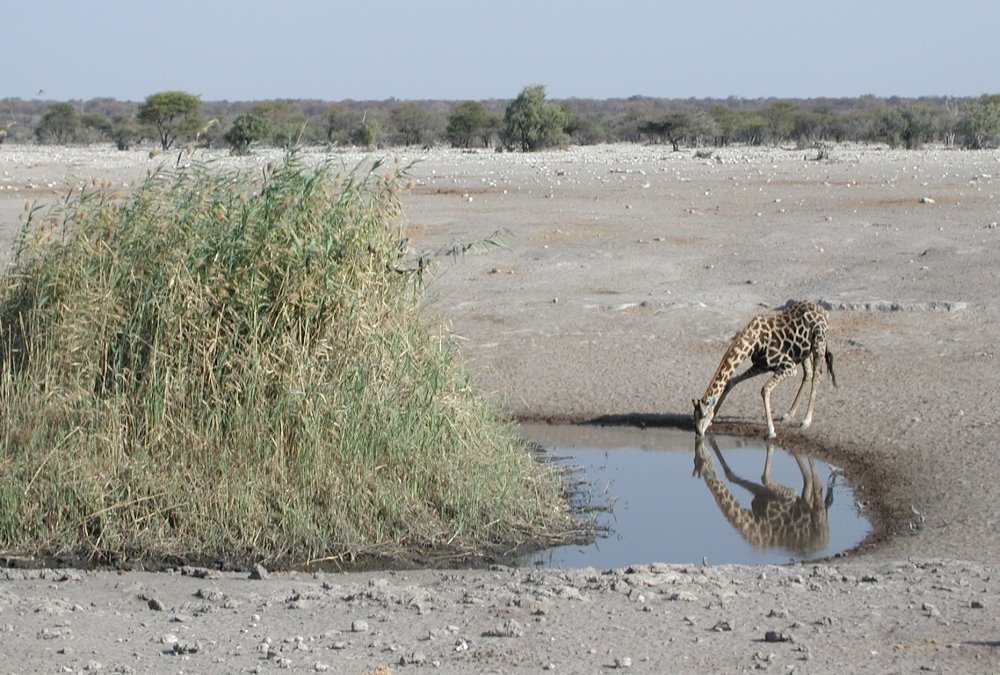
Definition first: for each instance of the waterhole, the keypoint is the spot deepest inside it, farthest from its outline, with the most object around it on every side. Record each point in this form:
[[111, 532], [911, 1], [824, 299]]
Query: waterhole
[[657, 497]]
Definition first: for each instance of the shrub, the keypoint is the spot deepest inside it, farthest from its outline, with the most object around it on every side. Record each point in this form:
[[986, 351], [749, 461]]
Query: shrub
[[531, 123], [233, 368], [247, 128]]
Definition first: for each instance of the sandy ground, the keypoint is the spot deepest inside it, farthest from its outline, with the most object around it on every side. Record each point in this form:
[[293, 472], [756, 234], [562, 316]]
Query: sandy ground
[[627, 270]]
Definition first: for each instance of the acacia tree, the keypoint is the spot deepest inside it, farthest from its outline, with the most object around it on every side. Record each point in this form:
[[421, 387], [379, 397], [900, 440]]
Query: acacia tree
[[530, 123], [172, 114], [673, 127]]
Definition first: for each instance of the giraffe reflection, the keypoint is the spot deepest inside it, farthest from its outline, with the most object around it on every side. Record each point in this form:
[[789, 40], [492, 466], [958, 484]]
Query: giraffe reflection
[[778, 516]]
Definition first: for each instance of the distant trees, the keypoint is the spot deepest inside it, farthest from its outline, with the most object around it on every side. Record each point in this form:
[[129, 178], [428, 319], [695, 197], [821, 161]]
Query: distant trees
[[531, 123], [286, 123], [368, 133], [673, 127], [171, 114], [528, 122], [339, 123], [583, 127], [414, 123], [470, 124], [907, 125], [979, 123], [59, 125], [125, 131], [247, 128]]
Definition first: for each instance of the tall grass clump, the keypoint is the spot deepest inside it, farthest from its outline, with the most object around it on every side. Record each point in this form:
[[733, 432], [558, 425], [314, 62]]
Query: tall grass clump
[[232, 367]]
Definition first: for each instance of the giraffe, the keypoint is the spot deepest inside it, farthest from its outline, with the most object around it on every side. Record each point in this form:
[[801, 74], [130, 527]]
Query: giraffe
[[778, 516], [775, 343]]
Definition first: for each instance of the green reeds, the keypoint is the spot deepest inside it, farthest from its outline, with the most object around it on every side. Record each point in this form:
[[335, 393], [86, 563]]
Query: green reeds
[[231, 367]]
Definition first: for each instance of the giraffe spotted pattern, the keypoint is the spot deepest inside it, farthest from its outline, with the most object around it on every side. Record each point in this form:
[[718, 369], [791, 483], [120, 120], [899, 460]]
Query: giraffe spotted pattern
[[776, 343]]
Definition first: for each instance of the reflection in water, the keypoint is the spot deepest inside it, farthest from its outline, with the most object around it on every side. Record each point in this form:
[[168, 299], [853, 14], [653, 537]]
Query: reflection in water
[[659, 513], [778, 516]]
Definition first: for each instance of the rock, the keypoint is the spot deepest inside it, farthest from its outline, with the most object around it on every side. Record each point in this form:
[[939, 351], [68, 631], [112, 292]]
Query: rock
[[683, 596], [359, 626], [155, 605], [413, 658], [777, 636], [623, 662], [200, 572], [259, 573], [186, 648], [509, 628], [211, 594]]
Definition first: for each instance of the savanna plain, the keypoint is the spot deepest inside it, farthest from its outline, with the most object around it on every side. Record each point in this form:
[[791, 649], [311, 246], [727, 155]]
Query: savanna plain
[[624, 272]]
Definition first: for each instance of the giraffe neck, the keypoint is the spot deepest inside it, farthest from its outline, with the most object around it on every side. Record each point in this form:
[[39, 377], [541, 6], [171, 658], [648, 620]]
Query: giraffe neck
[[731, 360], [740, 518]]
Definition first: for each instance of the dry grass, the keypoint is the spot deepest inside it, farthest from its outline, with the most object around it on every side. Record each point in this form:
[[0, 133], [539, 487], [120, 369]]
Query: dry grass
[[236, 368]]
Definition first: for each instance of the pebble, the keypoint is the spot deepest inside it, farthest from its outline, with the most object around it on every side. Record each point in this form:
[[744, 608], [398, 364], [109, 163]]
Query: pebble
[[359, 626]]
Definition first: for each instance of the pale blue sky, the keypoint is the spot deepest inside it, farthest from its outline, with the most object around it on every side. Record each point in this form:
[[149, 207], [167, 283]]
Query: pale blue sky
[[468, 49]]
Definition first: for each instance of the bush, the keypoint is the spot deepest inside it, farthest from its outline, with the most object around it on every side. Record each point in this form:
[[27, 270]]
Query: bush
[[530, 123], [60, 124], [247, 128], [227, 368]]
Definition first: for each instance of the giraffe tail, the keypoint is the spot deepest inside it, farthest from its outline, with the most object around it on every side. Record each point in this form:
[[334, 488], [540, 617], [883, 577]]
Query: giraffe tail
[[829, 366]]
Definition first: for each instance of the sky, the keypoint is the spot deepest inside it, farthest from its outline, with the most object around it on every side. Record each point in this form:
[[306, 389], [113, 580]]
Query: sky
[[334, 50]]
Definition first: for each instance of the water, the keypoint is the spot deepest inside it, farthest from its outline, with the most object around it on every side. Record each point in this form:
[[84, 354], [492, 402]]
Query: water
[[660, 512]]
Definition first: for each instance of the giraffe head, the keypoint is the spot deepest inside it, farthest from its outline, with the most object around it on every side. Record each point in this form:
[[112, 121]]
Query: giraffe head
[[704, 411]]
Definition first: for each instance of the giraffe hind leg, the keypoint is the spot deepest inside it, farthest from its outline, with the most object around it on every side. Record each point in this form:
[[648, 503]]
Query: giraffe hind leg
[[807, 374], [817, 372], [807, 420]]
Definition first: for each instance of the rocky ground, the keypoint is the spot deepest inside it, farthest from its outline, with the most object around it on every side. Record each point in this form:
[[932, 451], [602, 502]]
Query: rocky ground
[[625, 272]]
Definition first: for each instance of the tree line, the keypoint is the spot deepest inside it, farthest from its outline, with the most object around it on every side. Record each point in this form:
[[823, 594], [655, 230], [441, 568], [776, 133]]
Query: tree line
[[528, 122]]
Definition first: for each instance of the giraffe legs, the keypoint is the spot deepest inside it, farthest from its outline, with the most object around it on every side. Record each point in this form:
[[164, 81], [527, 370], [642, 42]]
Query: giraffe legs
[[807, 374], [817, 371], [753, 371], [765, 393]]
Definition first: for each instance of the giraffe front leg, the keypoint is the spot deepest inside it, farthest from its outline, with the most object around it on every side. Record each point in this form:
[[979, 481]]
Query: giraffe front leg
[[765, 392]]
